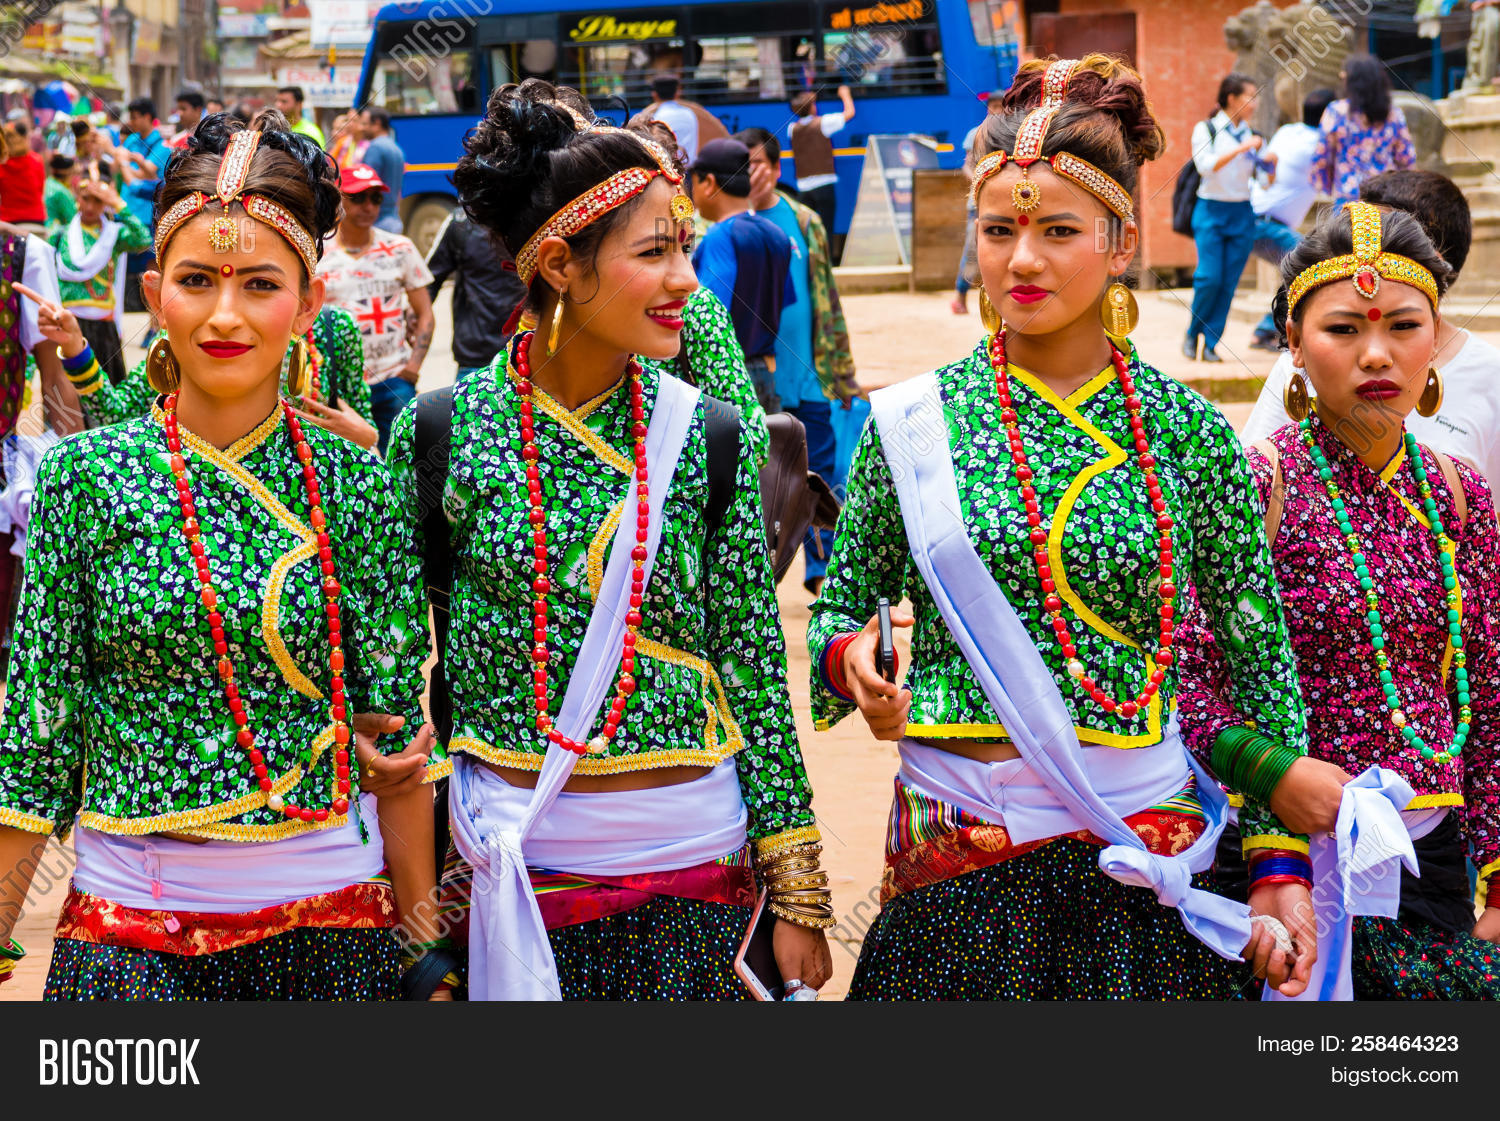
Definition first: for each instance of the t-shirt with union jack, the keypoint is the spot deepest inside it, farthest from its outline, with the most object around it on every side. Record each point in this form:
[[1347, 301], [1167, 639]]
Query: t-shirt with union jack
[[371, 285]]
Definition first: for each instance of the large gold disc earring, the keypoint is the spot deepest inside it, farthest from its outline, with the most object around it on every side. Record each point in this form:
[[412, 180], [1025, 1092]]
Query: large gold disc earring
[[1432, 393], [1119, 312], [1295, 397], [296, 367], [987, 313], [556, 328], [162, 371]]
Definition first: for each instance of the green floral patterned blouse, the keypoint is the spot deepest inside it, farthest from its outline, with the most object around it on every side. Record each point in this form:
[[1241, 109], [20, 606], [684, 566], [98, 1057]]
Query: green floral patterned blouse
[[113, 710], [1102, 546], [710, 660], [713, 361], [342, 377]]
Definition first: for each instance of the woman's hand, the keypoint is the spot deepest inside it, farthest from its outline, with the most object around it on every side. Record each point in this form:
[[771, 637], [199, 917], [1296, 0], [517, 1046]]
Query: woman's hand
[[105, 194], [1488, 926], [801, 954], [388, 775], [1292, 905], [882, 703], [55, 322], [1307, 798], [342, 421]]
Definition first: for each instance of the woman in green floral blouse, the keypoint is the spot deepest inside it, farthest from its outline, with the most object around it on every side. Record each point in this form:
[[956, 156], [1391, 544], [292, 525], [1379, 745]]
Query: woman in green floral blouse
[[339, 401], [570, 584], [1035, 501], [217, 596]]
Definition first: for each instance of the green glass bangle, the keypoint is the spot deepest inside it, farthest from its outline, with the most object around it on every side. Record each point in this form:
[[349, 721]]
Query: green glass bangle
[[12, 951], [1251, 762]]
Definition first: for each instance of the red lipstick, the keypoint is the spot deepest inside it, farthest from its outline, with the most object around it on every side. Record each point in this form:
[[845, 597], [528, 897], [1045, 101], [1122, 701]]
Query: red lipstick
[[664, 314], [224, 349], [1378, 390], [1028, 293]]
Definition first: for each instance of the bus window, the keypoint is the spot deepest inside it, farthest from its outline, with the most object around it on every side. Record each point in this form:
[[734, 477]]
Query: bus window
[[515, 62], [617, 54], [892, 49], [760, 52], [422, 86]]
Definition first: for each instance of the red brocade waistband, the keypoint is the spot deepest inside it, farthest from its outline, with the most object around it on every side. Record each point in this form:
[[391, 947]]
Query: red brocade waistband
[[88, 918], [929, 841], [566, 899]]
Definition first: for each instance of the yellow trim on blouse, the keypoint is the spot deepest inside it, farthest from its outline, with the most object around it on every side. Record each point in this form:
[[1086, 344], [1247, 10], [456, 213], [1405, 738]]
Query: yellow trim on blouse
[[572, 423], [210, 821], [1387, 473], [228, 461], [30, 823], [1114, 457]]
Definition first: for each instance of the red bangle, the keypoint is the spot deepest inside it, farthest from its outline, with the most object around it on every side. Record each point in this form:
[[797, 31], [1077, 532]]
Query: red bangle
[[833, 665], [1282, 879]]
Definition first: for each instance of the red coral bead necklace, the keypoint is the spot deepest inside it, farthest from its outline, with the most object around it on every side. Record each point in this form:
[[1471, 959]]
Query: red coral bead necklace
[[245, 735], [1052, 603], [541, 586]]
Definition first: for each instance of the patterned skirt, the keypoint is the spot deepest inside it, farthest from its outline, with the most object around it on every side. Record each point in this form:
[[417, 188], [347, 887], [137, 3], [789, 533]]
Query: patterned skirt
[[309, 963], [1047, 925], [656, 936], [334, 946], [969, 914]]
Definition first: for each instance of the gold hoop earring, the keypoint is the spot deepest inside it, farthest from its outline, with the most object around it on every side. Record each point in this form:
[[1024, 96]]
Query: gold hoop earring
[[987, 313], [294, 368], [556, 327], [162, 371], [1295, 398], [1432, 393], [1119, 312]]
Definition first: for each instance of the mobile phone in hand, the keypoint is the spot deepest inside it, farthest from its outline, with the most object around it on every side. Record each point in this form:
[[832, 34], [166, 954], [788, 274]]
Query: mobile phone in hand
[[887, 653]]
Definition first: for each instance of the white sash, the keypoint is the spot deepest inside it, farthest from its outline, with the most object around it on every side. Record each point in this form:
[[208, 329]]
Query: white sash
[[87, 263], [154, 873], [1018, 684], [1012, 794], [1357, 871], [510, 957], [617, 833]]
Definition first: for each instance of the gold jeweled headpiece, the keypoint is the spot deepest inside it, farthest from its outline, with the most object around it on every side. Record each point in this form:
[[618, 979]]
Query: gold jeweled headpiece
[[1026, 195], [223, 232], [598, 201], [1365, 266]]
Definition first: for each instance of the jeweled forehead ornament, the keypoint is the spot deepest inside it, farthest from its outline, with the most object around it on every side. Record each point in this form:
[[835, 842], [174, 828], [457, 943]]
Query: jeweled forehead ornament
[[1365, 266], [1026, 195], [224, 231], [597, 201]]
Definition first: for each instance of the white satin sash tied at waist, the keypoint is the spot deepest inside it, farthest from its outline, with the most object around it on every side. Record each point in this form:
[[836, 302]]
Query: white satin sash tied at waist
[[1015, 680], [510, 957], [154, 873], [1357, 871], [1012, 794]]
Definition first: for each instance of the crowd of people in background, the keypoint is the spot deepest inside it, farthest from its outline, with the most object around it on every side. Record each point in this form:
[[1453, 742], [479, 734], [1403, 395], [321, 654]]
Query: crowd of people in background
[[1253, 196]]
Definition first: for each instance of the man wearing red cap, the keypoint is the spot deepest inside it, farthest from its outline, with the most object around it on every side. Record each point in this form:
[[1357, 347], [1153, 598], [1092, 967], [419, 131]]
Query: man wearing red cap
[[379, 278]]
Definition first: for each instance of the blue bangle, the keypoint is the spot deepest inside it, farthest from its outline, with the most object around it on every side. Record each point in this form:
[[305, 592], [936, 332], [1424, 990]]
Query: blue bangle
[[1282, 866], [79, 362]]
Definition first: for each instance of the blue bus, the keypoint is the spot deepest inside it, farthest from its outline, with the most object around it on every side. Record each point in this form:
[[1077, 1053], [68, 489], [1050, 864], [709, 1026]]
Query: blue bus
[[913, 66]]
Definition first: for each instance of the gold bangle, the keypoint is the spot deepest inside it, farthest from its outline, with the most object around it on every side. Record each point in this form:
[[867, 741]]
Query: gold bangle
[[820, 922], [820, 880], [768, 847]]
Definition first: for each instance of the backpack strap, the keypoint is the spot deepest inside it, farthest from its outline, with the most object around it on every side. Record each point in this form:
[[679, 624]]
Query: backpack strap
[[1455, 487], [434, 437], [1277, 497], [722, 431]]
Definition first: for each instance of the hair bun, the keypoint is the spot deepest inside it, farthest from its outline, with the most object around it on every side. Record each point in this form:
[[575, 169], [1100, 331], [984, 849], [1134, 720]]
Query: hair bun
[[1105, 83], [510, 150]]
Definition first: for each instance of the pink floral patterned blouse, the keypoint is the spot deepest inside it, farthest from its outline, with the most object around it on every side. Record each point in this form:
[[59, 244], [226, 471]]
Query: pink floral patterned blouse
[[1350, 150], [1348, 722]]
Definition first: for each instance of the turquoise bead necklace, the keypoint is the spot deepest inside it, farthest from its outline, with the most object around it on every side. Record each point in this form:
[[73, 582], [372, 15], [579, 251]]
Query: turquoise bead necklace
[[1372, 598]]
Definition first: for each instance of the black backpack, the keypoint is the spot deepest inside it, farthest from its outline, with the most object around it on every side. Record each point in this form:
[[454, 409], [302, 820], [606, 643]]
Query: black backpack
[[1185, 194]]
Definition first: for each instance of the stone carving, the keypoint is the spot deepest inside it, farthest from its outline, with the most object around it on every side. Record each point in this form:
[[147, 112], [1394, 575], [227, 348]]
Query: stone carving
[[1484, 47], [1289, 52]]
